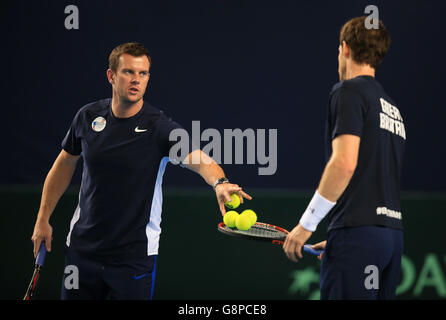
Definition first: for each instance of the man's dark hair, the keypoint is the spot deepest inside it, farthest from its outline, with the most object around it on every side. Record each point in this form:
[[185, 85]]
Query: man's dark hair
[[134, 49], [369, 46]]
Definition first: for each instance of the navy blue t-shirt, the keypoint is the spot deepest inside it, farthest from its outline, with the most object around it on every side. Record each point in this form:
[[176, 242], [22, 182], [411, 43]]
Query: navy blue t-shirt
[[360, 107], [120, 200]]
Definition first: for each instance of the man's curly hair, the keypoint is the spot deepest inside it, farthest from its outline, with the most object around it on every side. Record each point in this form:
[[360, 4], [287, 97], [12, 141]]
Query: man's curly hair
[[369, 46]]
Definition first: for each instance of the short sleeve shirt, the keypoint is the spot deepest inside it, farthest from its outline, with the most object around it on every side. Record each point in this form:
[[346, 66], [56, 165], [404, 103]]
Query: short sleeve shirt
[[124, 159], [361, 107]]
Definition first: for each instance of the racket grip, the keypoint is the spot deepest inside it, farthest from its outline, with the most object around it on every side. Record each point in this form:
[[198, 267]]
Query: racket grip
[[308, 249], [41, 255]]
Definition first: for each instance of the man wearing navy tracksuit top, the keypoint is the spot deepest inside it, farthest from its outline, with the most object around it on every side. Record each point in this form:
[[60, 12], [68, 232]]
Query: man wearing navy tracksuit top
[[124, 142], [359, 190]]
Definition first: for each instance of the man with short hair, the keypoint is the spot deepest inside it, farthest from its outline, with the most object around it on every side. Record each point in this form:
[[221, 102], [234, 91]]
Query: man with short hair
[[360, 186], [124, 142]]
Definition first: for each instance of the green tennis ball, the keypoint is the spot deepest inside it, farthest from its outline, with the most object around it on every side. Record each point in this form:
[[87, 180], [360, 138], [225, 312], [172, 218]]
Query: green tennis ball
[[234, 203], [251, 216], [243, 222], [229, 218]]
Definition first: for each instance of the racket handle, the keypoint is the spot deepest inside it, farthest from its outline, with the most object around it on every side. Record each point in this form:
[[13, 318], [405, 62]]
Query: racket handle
[[308, 249], [41, 255]]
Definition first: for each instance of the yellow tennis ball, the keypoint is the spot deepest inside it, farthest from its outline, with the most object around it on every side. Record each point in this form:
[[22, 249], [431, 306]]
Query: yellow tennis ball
[[229, 218], [234, 203], [243, 222], [251, 216]]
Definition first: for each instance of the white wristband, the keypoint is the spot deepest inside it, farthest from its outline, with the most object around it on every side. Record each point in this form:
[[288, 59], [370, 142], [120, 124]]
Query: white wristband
[[317, 209]]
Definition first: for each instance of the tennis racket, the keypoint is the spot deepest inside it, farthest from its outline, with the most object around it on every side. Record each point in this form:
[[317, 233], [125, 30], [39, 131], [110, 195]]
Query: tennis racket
[[264, 232], [31, 291]]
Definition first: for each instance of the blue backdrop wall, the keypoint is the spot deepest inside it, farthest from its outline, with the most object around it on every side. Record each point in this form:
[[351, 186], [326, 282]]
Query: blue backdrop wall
[[228, 64]]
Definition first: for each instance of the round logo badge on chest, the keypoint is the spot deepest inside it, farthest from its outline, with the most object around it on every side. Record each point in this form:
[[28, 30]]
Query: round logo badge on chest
[[98, 124]]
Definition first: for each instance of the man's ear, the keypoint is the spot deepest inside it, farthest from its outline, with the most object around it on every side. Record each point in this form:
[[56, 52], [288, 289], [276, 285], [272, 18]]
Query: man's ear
[[111, 76], [345, 49]]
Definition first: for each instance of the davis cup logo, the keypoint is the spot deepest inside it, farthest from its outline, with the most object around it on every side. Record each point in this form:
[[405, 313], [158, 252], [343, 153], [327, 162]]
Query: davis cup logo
[[98, 124]]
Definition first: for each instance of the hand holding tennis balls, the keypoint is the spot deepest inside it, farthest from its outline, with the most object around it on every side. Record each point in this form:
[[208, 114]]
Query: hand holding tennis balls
[[234, 203], [243, 221], [223, 191]]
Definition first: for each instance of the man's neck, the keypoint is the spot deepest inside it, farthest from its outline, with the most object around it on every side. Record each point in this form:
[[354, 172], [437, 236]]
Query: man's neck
[[122, 109], [356, 70]]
